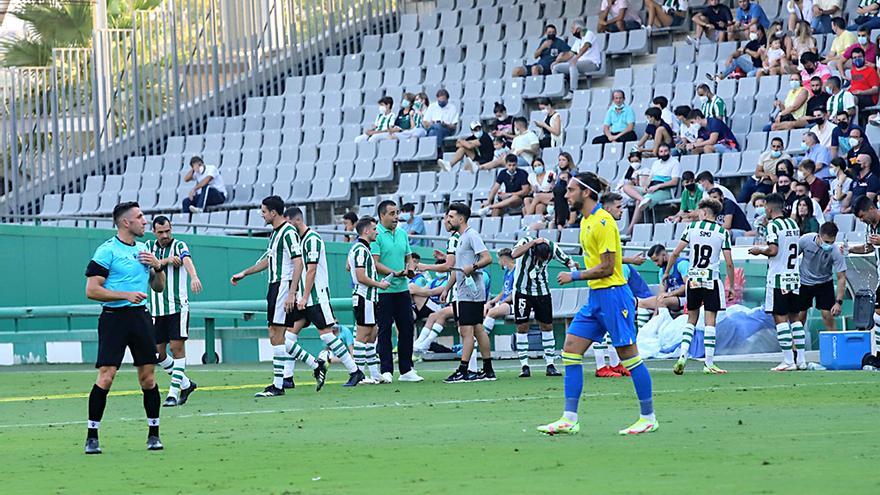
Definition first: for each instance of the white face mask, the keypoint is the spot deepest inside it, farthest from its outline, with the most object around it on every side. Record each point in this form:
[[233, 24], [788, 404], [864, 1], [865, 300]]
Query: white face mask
[[794, 84], [383, 109], [800, 176], [753, 36], [703, 99], [853, 142]]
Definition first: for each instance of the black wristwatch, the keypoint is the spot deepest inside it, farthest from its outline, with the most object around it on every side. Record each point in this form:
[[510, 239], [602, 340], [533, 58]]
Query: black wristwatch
[[840, 302]]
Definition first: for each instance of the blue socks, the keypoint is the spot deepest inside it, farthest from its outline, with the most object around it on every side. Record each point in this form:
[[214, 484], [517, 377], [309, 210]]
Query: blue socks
[[574, 381], [642, 383]]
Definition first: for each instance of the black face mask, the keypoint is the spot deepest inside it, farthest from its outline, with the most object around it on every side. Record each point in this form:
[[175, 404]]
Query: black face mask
[[578, 34], [691, 187], [551, 37], [783, 189], [663, 157]]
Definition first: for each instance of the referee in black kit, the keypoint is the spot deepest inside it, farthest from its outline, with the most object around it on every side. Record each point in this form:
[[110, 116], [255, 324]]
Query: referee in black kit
[[118, 276]]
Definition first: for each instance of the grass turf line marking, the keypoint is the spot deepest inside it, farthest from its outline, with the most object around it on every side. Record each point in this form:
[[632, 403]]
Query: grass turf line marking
[[449, 402]]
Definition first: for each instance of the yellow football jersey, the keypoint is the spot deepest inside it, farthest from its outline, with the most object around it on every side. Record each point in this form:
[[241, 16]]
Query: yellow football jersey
[[599, 235]]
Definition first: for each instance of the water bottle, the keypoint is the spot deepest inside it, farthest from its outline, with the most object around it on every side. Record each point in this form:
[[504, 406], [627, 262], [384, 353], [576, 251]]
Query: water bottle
[[815, 367]]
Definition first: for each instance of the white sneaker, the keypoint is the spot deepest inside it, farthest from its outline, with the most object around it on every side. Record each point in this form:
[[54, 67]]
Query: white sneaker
[[482, 212], [691, 40], [644, 202], [369, 381], [802, 366], [444, 164], [785, 367], [194, 209], [385, 378], [410, 376]]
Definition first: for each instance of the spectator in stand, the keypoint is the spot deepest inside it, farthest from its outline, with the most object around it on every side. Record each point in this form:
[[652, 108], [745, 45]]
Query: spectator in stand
[[793, 109], [210, 190], [381, 128], [865, 181], [814, 152], [348, 222], [839, 100], [784, 189], [799, 11], [405, 116], [620, 120], [526, 143], [823, 12], [748, 14], [549, 48], [732, 217], [562, 214], [441, 117], [666, 114], [712, 21], [665, 175], [412, 224], [706, 182], [690, 198], [818, 188], [859, 146], [711, 104], [823, 129], [802, 41], [584, 56], [665, 13], [748, 58], [802, 191], [802, 214], [657, 131], [516, 187], [541, 181], [843, 39], [841, 190], [813, 68], [475, 148], [503, 123], [773, 60], [864, 82], [866, 16], [765, 170], [499, 154], [863, 41], [714, 137], [840, 137], [636, 178], [687, 133], [417, 113], [550, 129], [616, 16]]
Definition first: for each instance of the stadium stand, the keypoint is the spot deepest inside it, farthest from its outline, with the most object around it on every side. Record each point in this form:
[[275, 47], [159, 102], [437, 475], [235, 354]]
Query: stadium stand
[[300, 144]]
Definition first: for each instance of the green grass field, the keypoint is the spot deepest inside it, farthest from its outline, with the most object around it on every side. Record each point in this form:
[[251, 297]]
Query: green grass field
[[747, 432]]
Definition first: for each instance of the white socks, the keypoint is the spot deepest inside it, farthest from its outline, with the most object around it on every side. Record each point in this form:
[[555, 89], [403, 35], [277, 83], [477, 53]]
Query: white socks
[[522, 348], [278, 358], [687, 336], [177, 369], [783, 335], [709, 339], [290, 364], [548, 342], [488, 323]]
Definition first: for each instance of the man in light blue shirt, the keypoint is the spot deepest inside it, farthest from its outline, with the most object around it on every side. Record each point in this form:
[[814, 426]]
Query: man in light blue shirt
[[813, 150], [747, 13], [620, 120], [412, 224]]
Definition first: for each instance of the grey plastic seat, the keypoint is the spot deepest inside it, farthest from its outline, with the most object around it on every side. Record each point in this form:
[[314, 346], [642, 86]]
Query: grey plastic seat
[[430, 39], [232, 141], [407, 149], [363, 169], [408, 183], [175, 144], [51, 205], [617, 43], [427, 149], [340, 189], [383, 169], [89, 205], [94, 184]]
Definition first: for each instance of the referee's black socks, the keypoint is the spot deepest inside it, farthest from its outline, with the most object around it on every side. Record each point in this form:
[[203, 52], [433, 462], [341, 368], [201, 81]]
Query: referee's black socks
[[151, 406], [487, 364], [97, 403]]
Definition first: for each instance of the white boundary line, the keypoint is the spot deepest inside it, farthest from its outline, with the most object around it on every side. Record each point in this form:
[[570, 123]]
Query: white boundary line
[[450, 402]]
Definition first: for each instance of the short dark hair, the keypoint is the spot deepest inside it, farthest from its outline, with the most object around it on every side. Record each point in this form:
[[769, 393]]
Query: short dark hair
[[460, 208], [499, 107], [704, 87], [511, 158], [696, 114], [442, 92], [408, 207], [274, 203], [548, 26], [808, 165], [505, 252], [122, 209], [687, 175], [386, 100], [363, 223], [520, 120], [655, 250], [416, 256], [654, 112], [833, 80], [838, 21], [161, 220], [662, 101], [779, 139], [829, 229], [715, 190], [351, 217], [839, 162], [774, 201], [542, 251], [545, 101], [195, 159], [863, 203], [809, 57], [857, 49], [711, 204], [705, 175], [383, 206], [682, 111], [611, 197], [293, 212]]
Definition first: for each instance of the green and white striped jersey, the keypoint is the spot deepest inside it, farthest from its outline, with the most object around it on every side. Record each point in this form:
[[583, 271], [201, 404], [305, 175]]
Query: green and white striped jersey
[[314, 253], [530, 274], [783, 270], [359, 256], [714, 108], [707, 240], [384, 122], [873, 230], [284, 247], [175, 298]]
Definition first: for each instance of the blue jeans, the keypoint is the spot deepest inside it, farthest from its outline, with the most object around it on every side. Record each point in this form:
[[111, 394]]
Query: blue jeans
[[868, 23], [206, 197], [744, 63], [821, 24], [440, 131], [751, 186], [723, 148]]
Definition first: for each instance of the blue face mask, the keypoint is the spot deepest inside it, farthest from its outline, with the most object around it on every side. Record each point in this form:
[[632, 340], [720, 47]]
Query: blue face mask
[[442, 103], [478, 134], [405, 103], [404, 217], [804, 146], [775, 154], [858, 62], [539, 169], [760, 211], [826, 247]]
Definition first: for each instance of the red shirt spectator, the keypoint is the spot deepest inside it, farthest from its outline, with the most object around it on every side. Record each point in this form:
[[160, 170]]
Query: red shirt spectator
[[870, 51], [865, 78]]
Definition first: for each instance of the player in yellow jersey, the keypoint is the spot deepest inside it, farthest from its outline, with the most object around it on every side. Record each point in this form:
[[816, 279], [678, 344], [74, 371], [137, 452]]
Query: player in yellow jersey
[[611, 308]]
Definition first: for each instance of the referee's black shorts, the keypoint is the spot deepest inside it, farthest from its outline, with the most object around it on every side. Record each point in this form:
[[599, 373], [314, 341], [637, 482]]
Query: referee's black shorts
[[468, 313], [131, 327]]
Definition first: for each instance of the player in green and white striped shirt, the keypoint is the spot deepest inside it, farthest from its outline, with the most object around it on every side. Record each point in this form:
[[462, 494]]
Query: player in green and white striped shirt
[[170, 309], [531, 293], [708, 242], [365, 294], [314, 303], [283, 259], [783, 277]]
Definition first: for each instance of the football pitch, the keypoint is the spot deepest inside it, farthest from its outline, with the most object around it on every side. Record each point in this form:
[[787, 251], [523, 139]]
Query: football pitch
[[750, 431]]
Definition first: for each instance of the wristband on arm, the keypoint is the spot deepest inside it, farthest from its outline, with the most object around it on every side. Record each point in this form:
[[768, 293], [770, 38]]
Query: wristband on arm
[[575, 275]]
